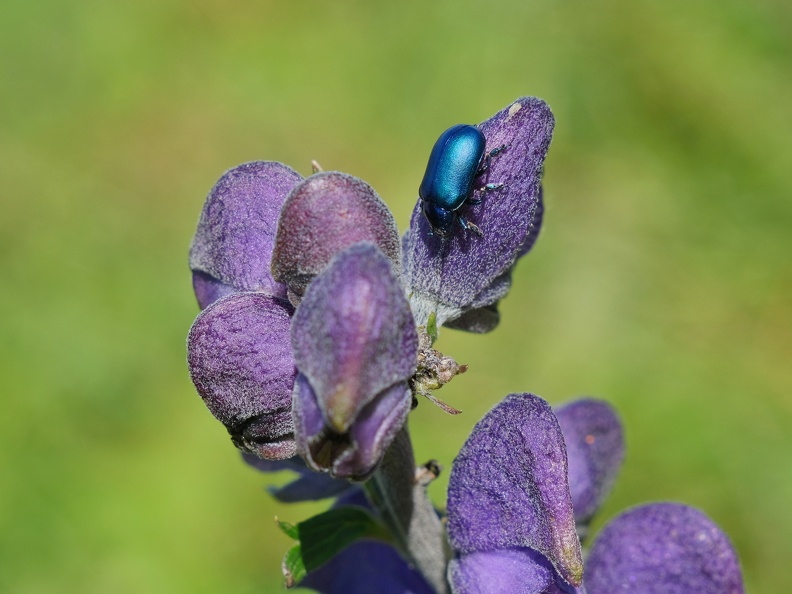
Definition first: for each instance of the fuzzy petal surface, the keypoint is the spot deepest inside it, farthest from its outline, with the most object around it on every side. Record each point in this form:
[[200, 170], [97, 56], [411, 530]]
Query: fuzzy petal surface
[[356, 453], [373, 431], [447, 275], [663, 548], [240, 360], [508, 487], [322, 216], [595, 451], [516, 571], [232, 247], [353, 334]]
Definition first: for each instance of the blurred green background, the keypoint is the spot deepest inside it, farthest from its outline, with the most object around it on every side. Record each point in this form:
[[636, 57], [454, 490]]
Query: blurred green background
[[662, 280]]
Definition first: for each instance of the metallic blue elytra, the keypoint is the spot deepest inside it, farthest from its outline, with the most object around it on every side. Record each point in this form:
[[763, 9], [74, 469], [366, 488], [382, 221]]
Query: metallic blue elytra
[[454, 164]]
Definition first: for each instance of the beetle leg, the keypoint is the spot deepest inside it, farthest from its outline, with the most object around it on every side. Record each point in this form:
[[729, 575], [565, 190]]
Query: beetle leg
[[485, 161], [488, 188], [468, 226], [497, 150]]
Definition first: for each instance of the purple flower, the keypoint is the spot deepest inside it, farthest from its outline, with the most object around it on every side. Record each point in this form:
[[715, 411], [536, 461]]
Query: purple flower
[[595, 449], [510, 509], [322, 216], [265, 230], [508, 491], [463, 277], [241, 363], [240, 348], [233, 244], [307, 345], [663, 548], [355, 345]]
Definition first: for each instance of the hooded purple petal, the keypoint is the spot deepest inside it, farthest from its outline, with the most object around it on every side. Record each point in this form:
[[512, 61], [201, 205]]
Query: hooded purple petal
[[508, 487], [322, 216], [240, 360], [373, 431], [232, 247], [367, 567], [595, 450], [309, 486], [516, 571], [448, 275], [478, 321], [355, 345], [353, 334], [482, 314], [536, 225], [663, 548]]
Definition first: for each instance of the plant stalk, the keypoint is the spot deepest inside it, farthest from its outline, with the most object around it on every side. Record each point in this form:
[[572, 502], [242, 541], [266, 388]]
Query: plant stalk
[[405, 507]]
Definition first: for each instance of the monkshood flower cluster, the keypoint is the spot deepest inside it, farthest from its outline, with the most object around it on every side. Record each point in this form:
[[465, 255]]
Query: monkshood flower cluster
[[315, 341]]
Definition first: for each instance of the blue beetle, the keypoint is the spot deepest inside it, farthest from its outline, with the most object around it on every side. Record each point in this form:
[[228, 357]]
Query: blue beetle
[[457, 159]]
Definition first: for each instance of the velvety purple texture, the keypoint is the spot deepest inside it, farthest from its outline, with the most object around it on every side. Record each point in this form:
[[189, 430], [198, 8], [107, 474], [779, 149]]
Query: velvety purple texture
[[508, 487], [512, 571], [356, 453], [353, 334], [374, 430], [663, 548], [481, 315], [208, 289], [322, 216], [452, 275], [536, 225], [232, 247], [595, 450], [355, 346], [240, 360], [308, 486]]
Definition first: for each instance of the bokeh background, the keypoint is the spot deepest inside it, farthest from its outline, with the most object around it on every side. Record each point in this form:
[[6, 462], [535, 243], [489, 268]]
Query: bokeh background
[[662, 280]]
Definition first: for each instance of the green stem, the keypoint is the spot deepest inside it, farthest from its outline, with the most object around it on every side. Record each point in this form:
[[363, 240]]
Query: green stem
[[406, 509]]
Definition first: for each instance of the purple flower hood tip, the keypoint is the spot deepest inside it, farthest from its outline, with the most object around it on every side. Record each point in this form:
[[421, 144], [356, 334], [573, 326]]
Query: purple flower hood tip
[[508, 487], [663, 548], [355, 346], [322, 216], [233, 244], [595, 449], [465, 272], [240, 360]]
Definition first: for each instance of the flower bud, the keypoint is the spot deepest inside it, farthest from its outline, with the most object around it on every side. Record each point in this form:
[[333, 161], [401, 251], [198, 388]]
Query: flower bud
[[465, 272], [663, 548], [240, 361], [595, 450], [355, 346], [508, 487], [322, 216], [232, 247]]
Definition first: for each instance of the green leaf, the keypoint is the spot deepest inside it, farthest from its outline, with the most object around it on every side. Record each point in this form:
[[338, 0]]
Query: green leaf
[[288, 529], [323, 536], [431, 326], [293, 567]]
